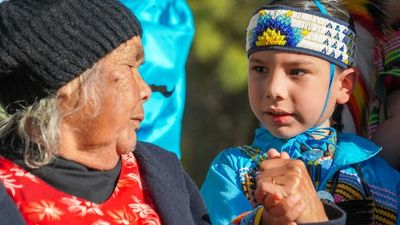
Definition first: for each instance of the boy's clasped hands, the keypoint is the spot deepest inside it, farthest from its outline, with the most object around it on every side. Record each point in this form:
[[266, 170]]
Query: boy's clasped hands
[[286, 191]]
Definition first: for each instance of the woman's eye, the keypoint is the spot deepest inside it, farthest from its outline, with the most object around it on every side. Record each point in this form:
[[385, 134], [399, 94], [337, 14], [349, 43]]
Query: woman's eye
[[132, 66], [297, 72]]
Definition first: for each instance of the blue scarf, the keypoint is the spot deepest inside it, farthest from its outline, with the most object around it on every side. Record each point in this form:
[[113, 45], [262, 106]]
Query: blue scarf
[[320, 146], [312, 145]]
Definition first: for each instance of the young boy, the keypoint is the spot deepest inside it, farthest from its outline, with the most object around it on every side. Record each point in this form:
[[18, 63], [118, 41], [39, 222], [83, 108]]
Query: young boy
[[301, 58]]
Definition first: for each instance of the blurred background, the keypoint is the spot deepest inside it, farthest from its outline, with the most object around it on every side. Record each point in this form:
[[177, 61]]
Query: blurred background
[[217, 113]]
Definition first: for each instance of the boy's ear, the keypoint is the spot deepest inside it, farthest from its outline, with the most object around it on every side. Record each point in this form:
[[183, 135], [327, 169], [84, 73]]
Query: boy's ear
[[347, 80]]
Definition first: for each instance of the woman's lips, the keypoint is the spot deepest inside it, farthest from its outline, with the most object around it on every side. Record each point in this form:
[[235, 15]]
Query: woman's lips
[[136, 120], [139, 117]]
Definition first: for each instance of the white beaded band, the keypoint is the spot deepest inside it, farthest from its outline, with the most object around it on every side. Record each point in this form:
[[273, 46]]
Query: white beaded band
[[309, 32]]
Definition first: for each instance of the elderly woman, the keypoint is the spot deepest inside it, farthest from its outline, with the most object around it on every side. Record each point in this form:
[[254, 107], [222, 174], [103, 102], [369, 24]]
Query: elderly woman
[[71, 100]]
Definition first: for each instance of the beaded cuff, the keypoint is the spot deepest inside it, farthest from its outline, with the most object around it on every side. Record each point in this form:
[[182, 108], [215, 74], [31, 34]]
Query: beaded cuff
[[309, 32]]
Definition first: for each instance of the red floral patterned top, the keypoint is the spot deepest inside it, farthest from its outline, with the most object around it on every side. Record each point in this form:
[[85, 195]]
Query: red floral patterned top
[[40, 203]]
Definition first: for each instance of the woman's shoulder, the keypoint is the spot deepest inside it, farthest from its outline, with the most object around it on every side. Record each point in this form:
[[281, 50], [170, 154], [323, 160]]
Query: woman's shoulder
[[152, 156], [152, 150]]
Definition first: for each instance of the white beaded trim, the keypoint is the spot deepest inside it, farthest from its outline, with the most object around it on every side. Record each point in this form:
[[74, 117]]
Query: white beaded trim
[[319, 33]]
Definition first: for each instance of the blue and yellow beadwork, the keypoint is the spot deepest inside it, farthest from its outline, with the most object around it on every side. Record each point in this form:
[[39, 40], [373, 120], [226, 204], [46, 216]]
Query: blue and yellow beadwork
[[286, 28], [277, 31]]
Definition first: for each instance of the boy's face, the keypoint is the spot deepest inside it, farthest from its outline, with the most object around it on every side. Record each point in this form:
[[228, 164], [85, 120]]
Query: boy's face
[[287, 91]]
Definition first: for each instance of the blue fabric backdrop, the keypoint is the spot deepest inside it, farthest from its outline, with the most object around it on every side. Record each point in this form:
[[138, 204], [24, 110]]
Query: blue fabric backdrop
[[168, 30]]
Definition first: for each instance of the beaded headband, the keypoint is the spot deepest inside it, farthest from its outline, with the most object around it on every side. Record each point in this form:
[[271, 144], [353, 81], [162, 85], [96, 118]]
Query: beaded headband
[[392, 55], [291, 29]]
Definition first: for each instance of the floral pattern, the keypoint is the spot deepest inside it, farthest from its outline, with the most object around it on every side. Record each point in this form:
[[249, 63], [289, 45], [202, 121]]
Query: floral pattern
[[9, 182], [123, 217], [40, 203], [42, 210], [82, 207]]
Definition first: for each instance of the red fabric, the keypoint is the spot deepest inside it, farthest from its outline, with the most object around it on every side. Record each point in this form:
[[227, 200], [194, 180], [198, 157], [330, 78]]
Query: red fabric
[[40, 203]]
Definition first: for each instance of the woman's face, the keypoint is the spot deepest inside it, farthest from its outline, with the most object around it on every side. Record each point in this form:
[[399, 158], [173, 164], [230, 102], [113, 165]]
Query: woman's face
[[121, 93]]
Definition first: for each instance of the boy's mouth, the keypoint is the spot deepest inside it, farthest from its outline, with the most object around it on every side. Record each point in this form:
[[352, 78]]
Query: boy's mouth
[[279, 116], [275, 111]]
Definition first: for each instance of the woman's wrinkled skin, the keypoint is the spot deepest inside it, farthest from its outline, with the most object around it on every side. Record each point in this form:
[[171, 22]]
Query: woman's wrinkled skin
[[97, 139]]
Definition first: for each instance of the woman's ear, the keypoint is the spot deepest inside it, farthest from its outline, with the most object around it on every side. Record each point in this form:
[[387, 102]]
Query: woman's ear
[[68, 92], [347, 79], [65, 92]]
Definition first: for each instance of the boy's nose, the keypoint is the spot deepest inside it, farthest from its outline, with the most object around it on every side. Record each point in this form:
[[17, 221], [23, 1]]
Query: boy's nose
[[276, 87]]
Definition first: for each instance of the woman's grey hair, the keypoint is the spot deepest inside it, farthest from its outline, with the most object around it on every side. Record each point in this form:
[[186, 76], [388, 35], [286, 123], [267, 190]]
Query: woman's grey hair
[[37, 126]]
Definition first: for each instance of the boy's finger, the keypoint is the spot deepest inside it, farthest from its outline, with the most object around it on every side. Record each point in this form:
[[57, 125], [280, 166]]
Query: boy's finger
[[273, 154], [264, 189], [272, 200], [285, 155]]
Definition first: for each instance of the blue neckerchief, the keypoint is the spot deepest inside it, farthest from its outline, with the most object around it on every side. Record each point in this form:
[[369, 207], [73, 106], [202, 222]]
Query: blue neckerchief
[[348, 149], [311, 145]]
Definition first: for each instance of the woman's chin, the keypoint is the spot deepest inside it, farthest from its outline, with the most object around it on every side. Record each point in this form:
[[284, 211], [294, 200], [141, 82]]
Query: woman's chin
[[125, 148], [126, 143]]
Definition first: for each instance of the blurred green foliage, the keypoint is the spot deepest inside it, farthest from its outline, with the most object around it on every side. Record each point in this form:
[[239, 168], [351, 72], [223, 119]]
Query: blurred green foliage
[[232, 70], [220, 35], [217, 113]]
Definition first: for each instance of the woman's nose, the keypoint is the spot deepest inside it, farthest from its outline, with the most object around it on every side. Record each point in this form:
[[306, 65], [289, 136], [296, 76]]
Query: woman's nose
[[145, 90]]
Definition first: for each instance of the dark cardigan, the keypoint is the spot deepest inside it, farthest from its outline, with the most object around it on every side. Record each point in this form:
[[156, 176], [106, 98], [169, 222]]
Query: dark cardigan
[[175, 196]]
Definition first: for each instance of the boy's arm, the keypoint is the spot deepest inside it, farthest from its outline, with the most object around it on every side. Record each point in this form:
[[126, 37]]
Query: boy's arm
[[223, 197]]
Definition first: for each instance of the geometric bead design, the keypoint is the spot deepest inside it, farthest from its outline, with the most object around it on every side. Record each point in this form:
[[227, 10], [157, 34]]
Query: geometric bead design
[[288, 27]]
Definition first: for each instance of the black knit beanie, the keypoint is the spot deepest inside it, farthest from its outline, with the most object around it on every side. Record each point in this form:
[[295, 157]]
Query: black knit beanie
[[44, 44]]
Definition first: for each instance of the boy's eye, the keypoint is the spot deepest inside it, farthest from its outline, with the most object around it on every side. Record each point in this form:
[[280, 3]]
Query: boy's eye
[[297, 72], [260, 69]]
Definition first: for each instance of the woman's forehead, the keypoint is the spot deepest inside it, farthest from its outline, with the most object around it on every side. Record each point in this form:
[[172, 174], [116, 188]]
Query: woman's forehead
[[128, 51]]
